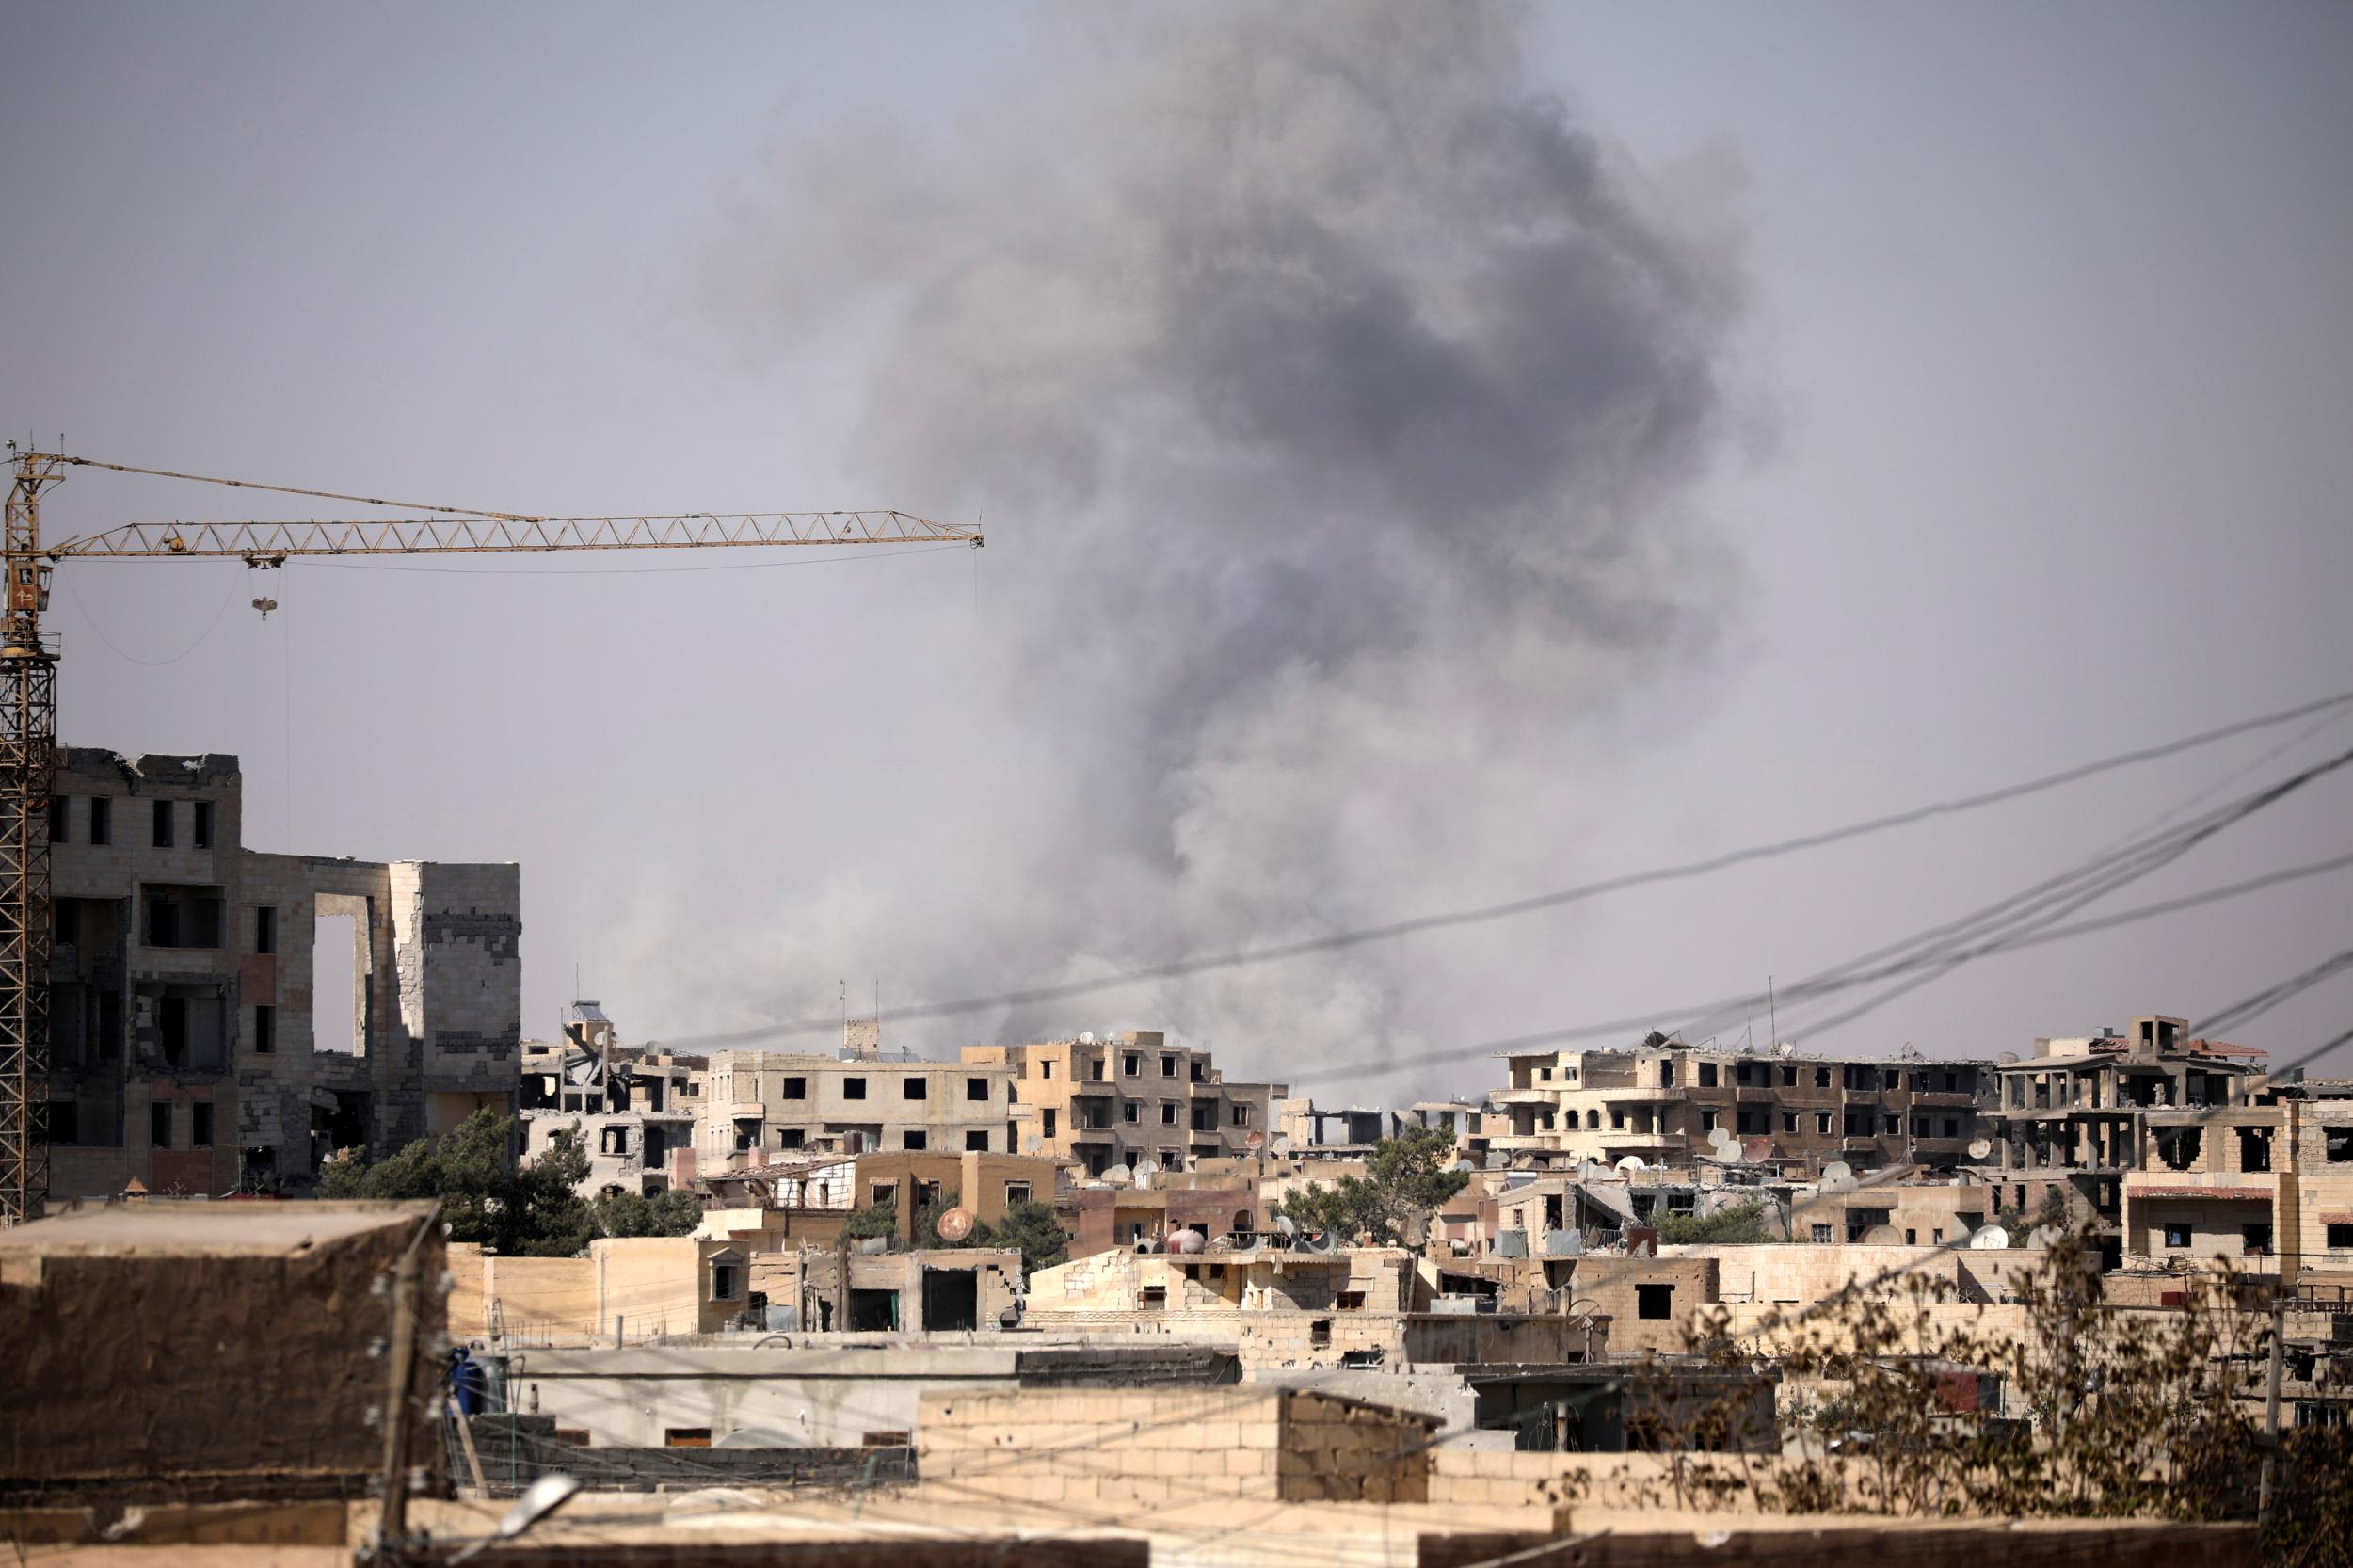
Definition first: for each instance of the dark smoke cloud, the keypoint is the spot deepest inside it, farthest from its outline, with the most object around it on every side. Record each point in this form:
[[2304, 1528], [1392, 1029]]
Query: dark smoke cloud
[[1334, 400]]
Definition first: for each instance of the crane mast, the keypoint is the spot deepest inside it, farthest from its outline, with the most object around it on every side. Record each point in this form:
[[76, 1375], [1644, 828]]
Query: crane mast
[[28, 689], [28, 762]]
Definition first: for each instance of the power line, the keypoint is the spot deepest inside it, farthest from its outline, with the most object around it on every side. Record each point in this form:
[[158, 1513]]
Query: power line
[[1619, 1026], [1337, 941]]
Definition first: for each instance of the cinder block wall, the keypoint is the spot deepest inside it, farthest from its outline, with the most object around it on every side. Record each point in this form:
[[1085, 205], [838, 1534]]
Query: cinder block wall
[[1174, 1445]]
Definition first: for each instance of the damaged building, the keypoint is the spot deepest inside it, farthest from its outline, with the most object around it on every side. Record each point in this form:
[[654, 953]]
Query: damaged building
[[635, 1110], [185, 973]]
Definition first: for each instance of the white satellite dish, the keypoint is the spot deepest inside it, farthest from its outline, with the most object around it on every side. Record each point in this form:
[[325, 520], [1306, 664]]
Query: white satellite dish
[[1288, 1225], [1991, 1239], [1086, 1036], [1883, 1236], [1837, 1176], [2044, 1236], [1782, 1047], [1590, 1170], [1980, 1148], [1632, 1162], [1147, 1168], [1119, 1176], [1464, 1167], [1282, 1143], [2009, 1058]]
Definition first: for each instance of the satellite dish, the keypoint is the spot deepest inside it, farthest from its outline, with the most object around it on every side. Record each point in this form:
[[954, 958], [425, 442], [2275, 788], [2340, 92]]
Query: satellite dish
[[1980, 1148], [1590, 1170], [955, 1224], [1288, 1225], [1255, 1142], [1991, 1239], [1883, 1236], [1837, 1176], [1282, 1143], [1086, 1036], [1632, 1162], [1119, 1176], [1147, 1168], [2009, 1058], [1730, 1154], [1465, 1166], [1782, 1047], [2044, 1236]]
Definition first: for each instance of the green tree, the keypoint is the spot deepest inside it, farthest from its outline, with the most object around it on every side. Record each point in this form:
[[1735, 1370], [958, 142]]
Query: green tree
[[523, 1210], [875, 1220], [1738, 1223], [667, 1213], [1406, 1181], [1030, 1229]]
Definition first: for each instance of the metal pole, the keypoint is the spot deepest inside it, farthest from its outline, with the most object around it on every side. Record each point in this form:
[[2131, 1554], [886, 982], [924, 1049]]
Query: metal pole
[[2271, 1413]]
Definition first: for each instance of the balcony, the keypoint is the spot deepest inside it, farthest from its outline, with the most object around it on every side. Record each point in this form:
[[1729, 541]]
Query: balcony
[[1546, 1095]]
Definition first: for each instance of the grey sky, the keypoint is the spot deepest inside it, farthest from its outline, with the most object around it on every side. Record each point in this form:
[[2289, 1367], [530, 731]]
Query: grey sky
[[2026, 444]]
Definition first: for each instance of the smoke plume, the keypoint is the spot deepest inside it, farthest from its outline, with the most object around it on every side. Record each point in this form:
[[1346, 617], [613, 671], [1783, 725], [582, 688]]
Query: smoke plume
[[1335, 400]]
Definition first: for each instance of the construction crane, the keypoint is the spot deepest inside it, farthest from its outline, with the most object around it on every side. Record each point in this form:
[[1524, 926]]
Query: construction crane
[[28, 686]]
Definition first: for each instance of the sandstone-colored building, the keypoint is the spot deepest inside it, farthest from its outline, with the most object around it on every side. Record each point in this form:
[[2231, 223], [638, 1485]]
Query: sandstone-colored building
[[182, 1050], [861, 1102], [1131, 1097], [1662, 1100]]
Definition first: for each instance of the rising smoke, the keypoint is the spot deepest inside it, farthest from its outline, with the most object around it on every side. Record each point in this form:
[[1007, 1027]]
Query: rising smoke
[[1335, 400]]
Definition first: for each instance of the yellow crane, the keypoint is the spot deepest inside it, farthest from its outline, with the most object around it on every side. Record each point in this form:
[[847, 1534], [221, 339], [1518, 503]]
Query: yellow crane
[[28, 685]]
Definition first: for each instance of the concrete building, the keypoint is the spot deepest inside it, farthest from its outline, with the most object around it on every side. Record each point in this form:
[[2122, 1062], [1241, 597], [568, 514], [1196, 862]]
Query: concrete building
[[860, 1101], [186, 967], [983, 1185], [2266, 1186], [2073, 1117], [633, 1110], [1131, 1097], [1661, 1100]]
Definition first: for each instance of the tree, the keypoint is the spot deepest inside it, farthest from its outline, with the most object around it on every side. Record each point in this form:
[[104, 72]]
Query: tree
[[875, 1220], [1738, 1223], [523, 1210], [1030, 1229], [667, 1213], [1406, 1181]]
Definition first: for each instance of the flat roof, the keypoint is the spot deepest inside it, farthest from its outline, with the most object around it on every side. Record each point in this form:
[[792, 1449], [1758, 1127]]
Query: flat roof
[[168, 1227]]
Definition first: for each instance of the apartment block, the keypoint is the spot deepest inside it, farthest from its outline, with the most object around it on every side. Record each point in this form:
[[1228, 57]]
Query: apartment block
[[186, 969], [760, 1105], [1130, 1097], [2073, 1118], [1661, 1101]]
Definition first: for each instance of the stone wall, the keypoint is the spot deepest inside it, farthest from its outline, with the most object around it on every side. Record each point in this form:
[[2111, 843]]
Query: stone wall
[[1172, 1446]]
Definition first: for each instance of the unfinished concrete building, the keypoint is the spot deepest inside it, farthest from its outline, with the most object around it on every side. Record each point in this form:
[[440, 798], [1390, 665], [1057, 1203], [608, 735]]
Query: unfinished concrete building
[[635, 1110], [185, 976], [761, 1104], [2073, 1117], [1130, 1097], [1662, 1099]]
